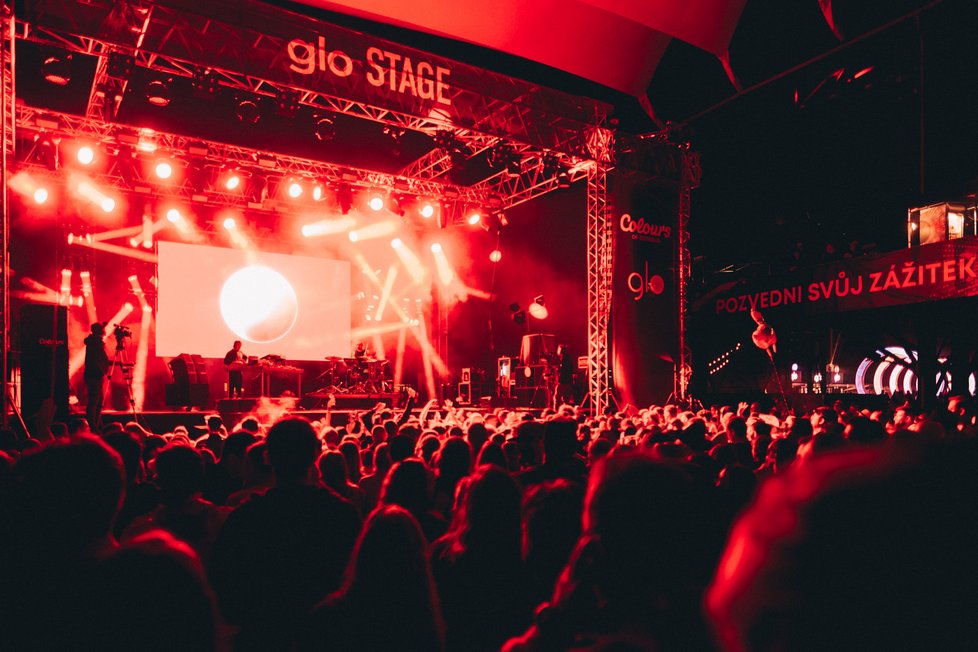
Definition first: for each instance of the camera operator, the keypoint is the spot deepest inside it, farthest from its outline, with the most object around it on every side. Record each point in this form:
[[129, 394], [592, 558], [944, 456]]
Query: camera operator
[[96, 367]]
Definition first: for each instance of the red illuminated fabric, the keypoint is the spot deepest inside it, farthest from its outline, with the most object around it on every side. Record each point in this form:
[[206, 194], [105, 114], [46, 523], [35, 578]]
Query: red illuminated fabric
[[617, 43]]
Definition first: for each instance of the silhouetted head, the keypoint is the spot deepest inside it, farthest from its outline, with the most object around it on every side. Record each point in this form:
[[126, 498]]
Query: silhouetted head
[[407, 485], [332, 469], [179, 473], [351, 452], [68, 493], [490, 518], [292, 448], [559, 440], [154, 597], [454, 459], [492, 454], [129, 447]]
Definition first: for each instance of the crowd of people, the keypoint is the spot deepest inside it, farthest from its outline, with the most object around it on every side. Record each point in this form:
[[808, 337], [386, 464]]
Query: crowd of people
[[726, 528]]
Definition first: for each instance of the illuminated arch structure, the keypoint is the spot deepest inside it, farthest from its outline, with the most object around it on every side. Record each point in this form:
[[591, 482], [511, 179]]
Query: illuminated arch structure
[[891, 371]]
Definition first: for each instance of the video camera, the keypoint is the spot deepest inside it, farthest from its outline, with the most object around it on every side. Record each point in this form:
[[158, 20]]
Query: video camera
[[120, 333]]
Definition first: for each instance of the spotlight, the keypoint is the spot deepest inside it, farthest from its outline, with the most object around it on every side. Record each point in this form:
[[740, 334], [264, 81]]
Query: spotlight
[[325, 129], [317, 193], [538, 310], [233, 180], [427, 209], [40, 195], [376, 202], [173, 216], [164, 169], [435, 248], [295, 189], [204, 83], [287, 104], [474, 218], [495, 256], [85, 155], [248, 112], [397, 243], [158, 93], [57, 70], [354, 237], [108, 204], [230, 224]]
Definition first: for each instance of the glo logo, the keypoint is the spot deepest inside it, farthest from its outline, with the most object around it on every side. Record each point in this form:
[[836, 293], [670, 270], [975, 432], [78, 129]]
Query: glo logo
[[642, 284]]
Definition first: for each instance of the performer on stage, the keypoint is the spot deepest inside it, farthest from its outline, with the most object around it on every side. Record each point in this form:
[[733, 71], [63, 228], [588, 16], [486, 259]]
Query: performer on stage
[[360, 353], [96, 367], [564, 393], [235, 378]]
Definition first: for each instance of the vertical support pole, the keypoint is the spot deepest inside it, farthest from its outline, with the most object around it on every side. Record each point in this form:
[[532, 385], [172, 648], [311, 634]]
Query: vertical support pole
[[683, 369], [599, 266], [7, 122]]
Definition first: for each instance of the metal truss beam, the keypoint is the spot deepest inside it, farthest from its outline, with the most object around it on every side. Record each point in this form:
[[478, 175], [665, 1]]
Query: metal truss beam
[[7, 124], [275, 167], [599, 271], [683, 370], [68, 24]]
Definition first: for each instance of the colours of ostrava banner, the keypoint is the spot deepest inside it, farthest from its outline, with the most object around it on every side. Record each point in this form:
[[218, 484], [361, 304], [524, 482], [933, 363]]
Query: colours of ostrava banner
[[644, 335], [943, 270]]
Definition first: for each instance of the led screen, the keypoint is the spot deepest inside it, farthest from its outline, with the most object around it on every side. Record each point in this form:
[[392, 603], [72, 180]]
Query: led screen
[[293, 306]]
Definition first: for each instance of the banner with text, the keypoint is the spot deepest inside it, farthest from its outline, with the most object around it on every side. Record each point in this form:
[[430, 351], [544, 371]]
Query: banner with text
[[943, 270], [644, 329]]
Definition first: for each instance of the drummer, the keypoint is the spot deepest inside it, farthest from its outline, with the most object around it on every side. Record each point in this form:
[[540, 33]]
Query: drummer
[[360, 353]]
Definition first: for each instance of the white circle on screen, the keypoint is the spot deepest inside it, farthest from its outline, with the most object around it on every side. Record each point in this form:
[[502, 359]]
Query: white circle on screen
[[258, 304]]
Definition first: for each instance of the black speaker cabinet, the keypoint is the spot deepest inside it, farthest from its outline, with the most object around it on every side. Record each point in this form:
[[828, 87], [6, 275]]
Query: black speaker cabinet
[[43, 358]]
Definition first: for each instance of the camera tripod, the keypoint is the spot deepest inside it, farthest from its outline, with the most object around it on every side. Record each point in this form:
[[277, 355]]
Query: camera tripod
[[121, 361]]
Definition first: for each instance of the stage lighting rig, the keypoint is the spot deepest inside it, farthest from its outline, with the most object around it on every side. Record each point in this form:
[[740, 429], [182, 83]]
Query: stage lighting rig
[[158, 92], [57, 70]]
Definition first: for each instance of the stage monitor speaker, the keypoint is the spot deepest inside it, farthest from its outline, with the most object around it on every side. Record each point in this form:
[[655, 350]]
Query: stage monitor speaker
[[530, 376], [43, 359]]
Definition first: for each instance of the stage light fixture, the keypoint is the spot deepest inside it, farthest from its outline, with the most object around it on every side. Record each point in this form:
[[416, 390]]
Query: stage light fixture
[[396, 243], [248, 112], [233, 180], [354, 237], [474, 217], [41, 195], [204, 83], [325, 130], [518, 316], [295, 189], [108, 204], [57, 70], [120, 65], [375, 202], [436, 248], [396, 136], [158, 92], [287, 104], [317, 193], [85, 155], [163, 169], [173, 216], [538, 309], [495, 255], [230, 224], [427, 210]]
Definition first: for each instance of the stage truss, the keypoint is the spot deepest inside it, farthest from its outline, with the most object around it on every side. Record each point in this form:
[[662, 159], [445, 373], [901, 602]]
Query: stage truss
[[552, 151]]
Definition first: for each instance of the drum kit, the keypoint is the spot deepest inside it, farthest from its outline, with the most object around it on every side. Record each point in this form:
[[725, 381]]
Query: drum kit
[[355, 376]]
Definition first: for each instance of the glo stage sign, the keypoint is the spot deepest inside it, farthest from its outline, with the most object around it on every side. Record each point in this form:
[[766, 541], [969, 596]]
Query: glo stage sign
[[943, 270]]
